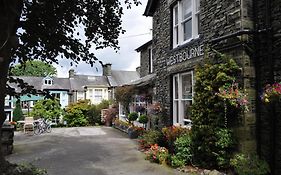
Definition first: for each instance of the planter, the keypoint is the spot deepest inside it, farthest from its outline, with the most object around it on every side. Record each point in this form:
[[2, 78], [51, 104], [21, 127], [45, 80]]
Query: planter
[[133, 134]]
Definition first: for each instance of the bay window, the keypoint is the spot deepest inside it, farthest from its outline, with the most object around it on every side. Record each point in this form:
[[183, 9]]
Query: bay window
[[185, 21]]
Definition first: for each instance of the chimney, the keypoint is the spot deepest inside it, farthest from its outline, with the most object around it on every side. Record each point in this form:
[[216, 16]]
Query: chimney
[[71, 73], [106, 69]]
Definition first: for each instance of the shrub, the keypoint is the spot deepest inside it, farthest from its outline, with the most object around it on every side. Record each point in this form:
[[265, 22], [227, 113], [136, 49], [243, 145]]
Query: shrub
[[157, 154], [208, 112], [149, 138], [183, 151], [17, 113], [24, 169], [171, 133], [124, 95], [93, 115], [251, 164], [47, 109], [224, 144], [143, 119], [132, 116], [76, 113]]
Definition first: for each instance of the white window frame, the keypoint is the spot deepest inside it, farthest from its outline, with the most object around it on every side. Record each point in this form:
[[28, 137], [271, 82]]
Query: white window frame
[[98, 96], [178, 22], [178, 103], [48, 81]]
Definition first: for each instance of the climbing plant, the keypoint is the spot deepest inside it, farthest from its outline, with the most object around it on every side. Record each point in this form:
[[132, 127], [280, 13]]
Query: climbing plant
[[208, 111]]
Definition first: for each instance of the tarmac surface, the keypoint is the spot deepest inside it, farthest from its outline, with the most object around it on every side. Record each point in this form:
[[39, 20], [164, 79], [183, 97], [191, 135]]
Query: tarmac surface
[[85, 151]]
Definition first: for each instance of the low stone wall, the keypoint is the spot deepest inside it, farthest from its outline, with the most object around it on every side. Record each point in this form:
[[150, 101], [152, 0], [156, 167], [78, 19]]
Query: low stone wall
[[7, 139]]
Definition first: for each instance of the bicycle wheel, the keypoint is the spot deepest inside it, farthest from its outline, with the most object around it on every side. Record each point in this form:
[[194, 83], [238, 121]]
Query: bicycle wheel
[[49, 129], [37, 130]]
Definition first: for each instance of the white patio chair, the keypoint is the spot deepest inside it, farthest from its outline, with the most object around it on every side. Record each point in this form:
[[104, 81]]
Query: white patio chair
[[28, 124]]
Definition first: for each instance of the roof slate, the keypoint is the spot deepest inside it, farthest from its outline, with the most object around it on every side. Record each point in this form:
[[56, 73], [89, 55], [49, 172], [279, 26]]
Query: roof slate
[[120, 78]]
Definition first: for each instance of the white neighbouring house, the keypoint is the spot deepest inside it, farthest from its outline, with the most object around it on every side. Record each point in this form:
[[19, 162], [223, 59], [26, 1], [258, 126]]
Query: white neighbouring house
[[70, 90]]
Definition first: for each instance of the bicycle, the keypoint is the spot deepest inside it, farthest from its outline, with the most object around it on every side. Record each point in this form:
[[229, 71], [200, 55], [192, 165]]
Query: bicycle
[[41, 126]]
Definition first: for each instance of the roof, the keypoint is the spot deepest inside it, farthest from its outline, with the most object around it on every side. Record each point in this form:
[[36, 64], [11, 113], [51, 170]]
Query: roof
[[144, 46], [148, 79], [120, 78], [78, 82], [37, 82], [150, 7]]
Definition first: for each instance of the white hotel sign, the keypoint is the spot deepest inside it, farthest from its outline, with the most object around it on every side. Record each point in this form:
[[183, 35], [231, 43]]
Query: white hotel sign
[[192, 52]]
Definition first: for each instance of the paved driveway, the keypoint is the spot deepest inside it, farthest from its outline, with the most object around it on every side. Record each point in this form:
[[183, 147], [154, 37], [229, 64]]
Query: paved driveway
[[85, 151]]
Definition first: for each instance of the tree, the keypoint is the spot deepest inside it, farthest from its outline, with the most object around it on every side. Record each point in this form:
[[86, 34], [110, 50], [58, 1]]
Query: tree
[[124, 95], [46, 29], [33, 68], [17, 113], [47, 109]]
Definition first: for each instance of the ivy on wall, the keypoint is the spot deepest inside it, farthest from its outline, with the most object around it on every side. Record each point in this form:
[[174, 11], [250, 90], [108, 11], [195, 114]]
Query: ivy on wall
[[208, 112]]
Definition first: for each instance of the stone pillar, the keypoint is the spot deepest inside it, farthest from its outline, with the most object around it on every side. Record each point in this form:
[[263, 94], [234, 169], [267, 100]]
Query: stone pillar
[[7, 139]]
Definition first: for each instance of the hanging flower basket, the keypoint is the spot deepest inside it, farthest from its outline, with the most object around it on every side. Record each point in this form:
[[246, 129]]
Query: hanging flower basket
[[271, 93]]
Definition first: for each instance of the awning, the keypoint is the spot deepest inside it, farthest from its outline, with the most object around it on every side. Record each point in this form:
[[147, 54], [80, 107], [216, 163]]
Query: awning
[[28, 98]]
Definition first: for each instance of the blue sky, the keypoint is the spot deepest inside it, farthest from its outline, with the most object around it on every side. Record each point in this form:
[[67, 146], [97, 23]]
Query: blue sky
[[138, 31]]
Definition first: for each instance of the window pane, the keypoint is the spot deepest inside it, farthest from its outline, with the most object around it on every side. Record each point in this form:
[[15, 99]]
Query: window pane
[[187, 108], [186, 9], [186, 86], [176, 85], [199, 24], [176, 15], [197, 5], [176, 35], [176, 112], [187, 28]]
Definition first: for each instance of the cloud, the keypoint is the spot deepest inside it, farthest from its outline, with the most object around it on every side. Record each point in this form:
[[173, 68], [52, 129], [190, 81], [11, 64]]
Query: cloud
[[138, 31]]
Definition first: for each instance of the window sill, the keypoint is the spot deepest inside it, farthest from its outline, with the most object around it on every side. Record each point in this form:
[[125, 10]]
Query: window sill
[[194, 41]]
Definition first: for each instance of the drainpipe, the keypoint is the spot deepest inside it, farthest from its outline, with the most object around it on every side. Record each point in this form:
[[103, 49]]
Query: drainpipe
[[271, 80]]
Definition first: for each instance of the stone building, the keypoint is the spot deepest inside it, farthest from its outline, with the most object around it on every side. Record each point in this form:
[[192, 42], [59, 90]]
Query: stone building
[[247, 30]]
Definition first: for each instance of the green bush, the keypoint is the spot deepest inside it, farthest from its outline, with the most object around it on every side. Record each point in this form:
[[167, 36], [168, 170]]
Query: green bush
[[24, 169], [149, 138], [143, 119], [183, 151], [47, 109], [17, 113], [225, 145], [208, 112], [157, 154], [133, 116], [93, 115], [251, 164], [76, 113]]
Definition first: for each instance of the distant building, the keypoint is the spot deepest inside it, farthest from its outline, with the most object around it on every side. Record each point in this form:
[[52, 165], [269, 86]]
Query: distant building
[[70, 90]]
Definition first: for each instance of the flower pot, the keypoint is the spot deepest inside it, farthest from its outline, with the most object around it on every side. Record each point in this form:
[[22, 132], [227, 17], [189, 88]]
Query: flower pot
[[133, 134]]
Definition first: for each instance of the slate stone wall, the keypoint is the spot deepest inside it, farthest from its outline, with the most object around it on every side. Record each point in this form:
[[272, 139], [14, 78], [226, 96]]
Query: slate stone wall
[[268, 62], [144, 63], [253, 31]]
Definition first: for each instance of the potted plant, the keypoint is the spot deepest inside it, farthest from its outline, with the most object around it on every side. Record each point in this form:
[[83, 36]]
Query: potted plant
[[143, 119], [135, 131], [132, 117]]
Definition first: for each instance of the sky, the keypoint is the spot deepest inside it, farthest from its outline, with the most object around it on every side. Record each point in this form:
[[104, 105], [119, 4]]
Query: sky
[[138, 31]]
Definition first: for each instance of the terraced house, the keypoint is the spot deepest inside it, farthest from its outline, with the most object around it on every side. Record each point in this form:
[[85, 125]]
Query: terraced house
[[69, 90], [247, 30]]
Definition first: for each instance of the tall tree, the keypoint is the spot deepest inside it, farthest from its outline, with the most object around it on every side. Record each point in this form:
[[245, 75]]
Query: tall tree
[[33, 68], [46, 29]]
